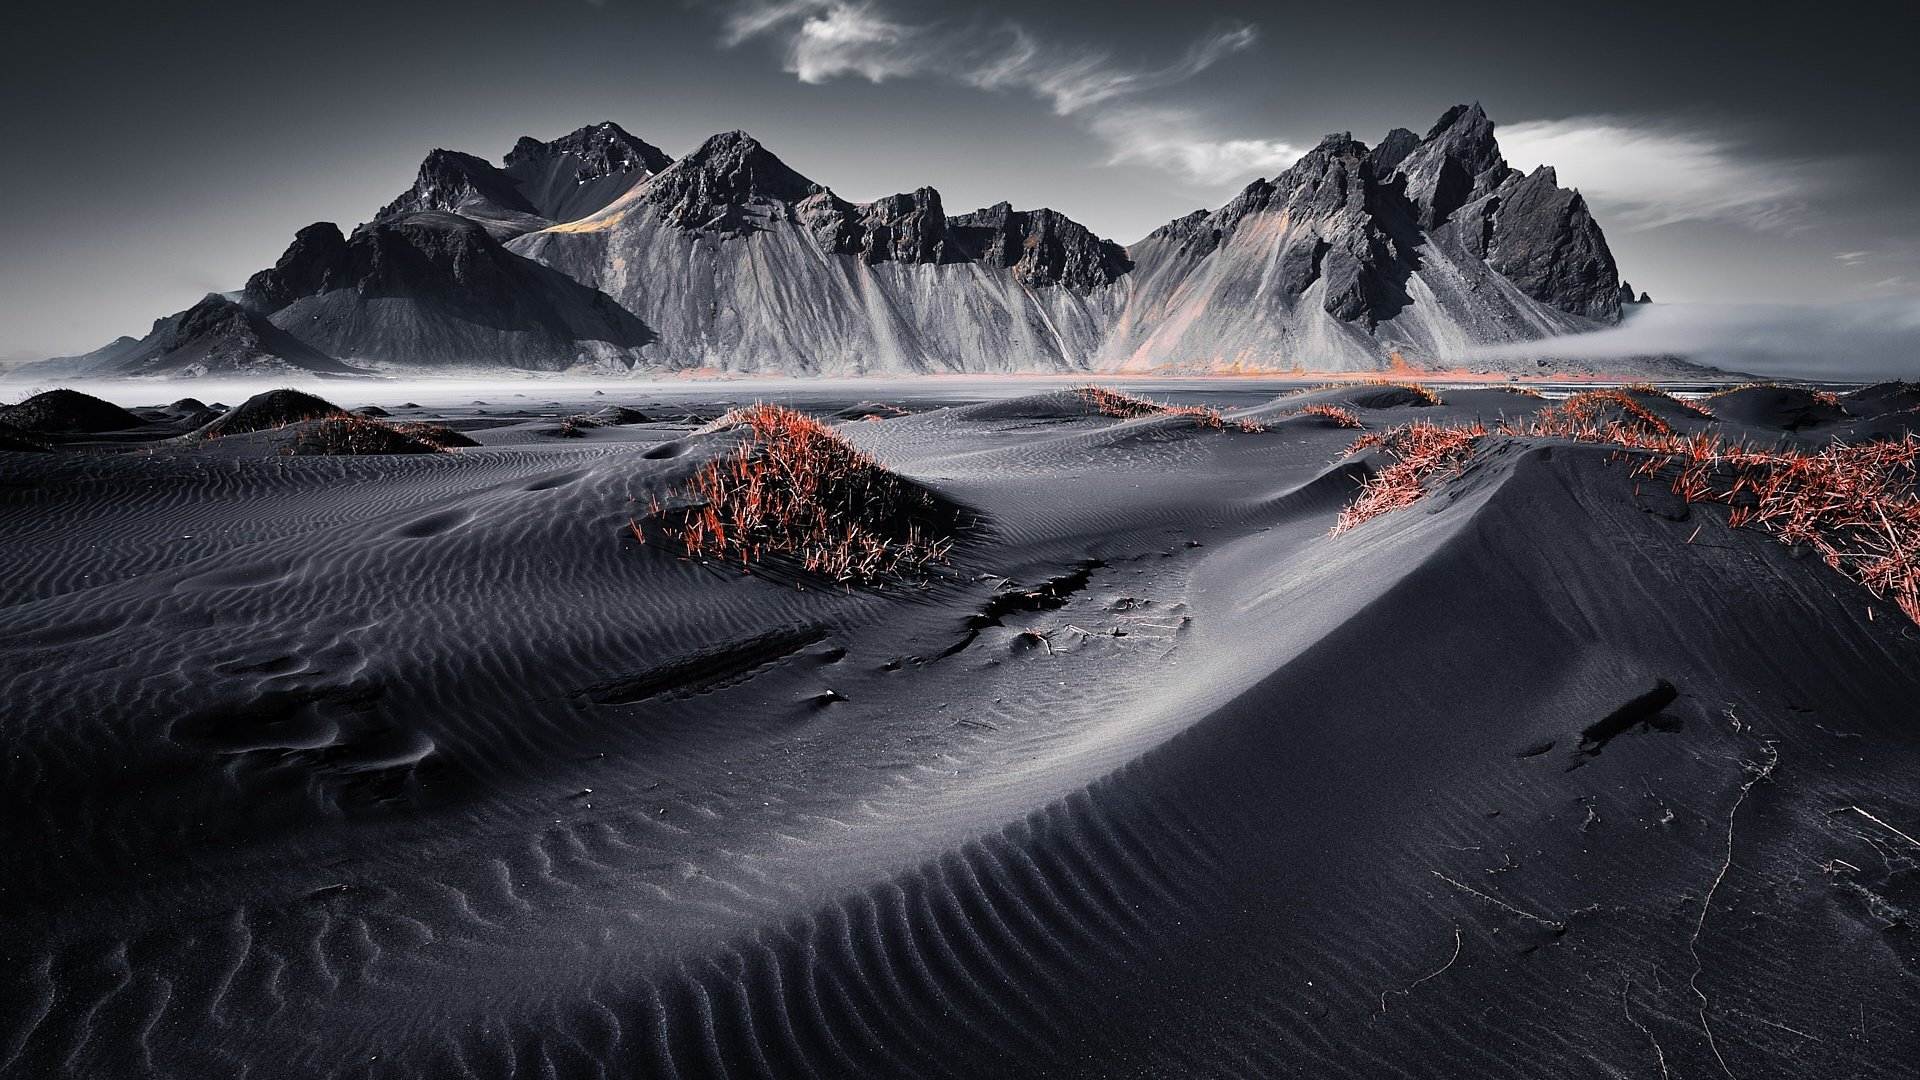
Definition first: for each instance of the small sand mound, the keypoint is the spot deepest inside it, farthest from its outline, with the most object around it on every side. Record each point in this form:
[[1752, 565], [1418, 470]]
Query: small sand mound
[[68, 412], [372, 411], [1882, 398], [358, 436], [188, 406], [620, 416], [1600, 416], [18, 441], [1776, 407], [870, 410], [795, 492], [275, 408], [1327, 416], [573, 427], [1132, 407], [443, 437]]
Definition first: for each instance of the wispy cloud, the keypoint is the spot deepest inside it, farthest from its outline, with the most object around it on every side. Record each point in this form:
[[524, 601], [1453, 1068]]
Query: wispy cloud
[[823, 40], [1646, 176]]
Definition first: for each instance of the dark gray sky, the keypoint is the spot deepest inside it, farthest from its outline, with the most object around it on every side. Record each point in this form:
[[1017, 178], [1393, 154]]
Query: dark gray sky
[[158, 152]]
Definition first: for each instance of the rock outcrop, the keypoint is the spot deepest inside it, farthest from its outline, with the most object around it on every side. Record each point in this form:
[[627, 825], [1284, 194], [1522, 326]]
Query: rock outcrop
[[538, 184], [436, 289]]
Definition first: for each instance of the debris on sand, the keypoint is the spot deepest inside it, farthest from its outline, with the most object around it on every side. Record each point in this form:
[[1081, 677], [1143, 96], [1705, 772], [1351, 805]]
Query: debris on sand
[[794, 490]]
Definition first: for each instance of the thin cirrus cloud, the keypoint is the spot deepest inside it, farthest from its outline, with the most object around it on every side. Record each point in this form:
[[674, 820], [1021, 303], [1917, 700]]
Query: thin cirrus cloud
[[1646, 176], [824, 40]]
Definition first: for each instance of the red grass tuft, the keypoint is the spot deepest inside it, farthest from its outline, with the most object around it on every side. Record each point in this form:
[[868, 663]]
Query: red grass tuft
[[795, 489], [1341, 417], [1132, 407], [1424, 453], [1419, 390], [1599, 416], [1856, 505], [1693, 407]]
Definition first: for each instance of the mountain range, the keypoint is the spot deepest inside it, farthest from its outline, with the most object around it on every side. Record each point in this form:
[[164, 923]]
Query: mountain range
[[597, 253]]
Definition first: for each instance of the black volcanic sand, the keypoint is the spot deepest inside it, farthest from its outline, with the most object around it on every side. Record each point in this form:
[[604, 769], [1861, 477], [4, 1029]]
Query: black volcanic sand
[[420, 766]]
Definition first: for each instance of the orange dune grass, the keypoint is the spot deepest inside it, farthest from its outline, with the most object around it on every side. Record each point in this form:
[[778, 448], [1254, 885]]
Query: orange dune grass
[[1824, 397], [1598, 416], [1693, 407], [1132, 407], [1424, 453], [1858, 506], [1419, 390], [795, 490], [1340, 417]]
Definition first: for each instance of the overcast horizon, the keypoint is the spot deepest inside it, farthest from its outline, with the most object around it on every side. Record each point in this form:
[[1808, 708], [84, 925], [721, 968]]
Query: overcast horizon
[[174, 152]]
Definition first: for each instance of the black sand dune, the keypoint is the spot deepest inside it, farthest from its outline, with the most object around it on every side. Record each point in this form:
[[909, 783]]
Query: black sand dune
[[67, 412], [421, 766]]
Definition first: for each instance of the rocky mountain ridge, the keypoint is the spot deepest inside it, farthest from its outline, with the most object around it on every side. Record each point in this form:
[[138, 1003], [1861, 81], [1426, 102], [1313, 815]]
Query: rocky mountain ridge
[[597, 252]]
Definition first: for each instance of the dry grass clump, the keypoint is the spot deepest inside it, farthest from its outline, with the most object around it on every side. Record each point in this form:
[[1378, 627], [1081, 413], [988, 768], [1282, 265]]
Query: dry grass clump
[[1424, 453], [445, 438], [794, 490], [1693, 407], [1824, 397], [351, 435], [1599, 416], [1424, 393], [1340, 417], [1132, 407], [1857, 505]]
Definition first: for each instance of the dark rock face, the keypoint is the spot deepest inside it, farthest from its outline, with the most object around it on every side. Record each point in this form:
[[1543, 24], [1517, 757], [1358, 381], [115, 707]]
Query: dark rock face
[[907, 228], [1459, 161], [1457, 186], [453, 291], [580, 174], [450, 181], [215, 336], [1627, 296], [712, 188], [317, 261], [1393, 150], [1545, 241], [604, 149], [1041, 247], [542, 183]]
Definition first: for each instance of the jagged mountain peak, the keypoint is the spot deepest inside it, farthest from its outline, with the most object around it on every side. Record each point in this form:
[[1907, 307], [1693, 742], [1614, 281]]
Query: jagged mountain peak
[[603, 149], [1392, 150], [1459, 161], [711, 188], [454, 181]]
